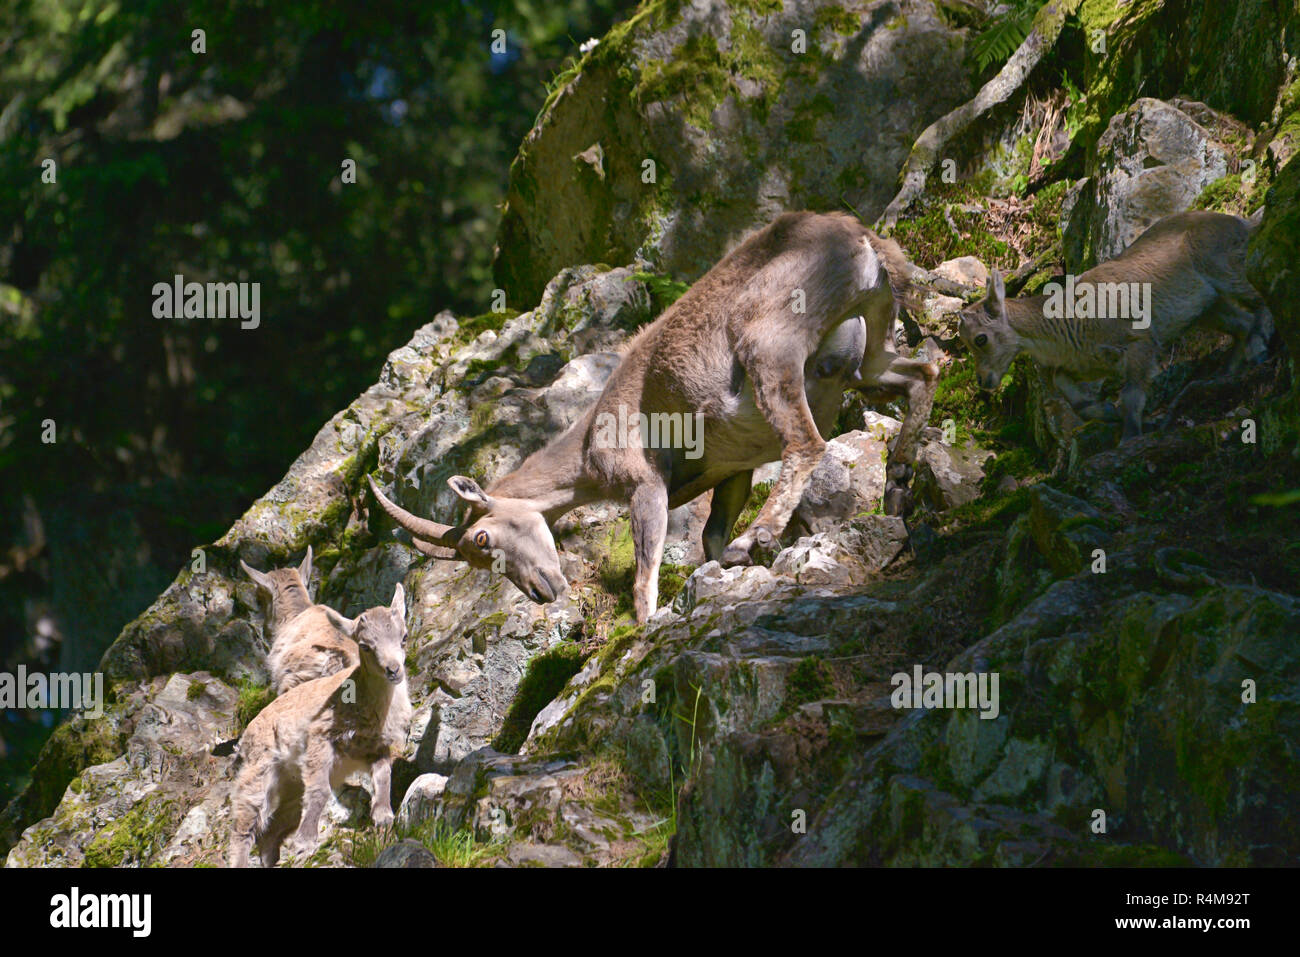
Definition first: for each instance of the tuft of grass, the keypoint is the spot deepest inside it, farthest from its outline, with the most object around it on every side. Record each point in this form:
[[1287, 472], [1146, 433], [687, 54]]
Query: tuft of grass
[[452, 848]]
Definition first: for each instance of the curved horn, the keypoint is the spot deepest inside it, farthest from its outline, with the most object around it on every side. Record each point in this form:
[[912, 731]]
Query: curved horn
[[437, 551], [432, 531]]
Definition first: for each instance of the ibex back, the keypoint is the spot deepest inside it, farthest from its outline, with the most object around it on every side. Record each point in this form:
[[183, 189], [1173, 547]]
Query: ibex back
[[757, 353]]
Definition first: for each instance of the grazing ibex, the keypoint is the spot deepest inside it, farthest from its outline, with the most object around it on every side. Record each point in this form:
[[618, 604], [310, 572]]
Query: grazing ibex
[[307, 741], [755, 356], [305, 643], [1117, 318]]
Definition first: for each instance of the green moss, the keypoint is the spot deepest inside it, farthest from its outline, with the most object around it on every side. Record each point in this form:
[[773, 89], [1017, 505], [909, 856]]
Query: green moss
[[698, 75], [252, 699], [616, 565], [472, 327], [133, 839], [929, 239], [811, 680], [481, 368], [74, 746], [1020, 463], [494, 620], [973, 411], [544, 679], [695, 76], [1101, 854], [195, 691], [620, 640], [764, 8], [1217, 195], [985, 511], [672, 579], [757, 499], [1045, 211], [753, 57], [1006, 171], [802, 127], [664, 290], [836, 18]]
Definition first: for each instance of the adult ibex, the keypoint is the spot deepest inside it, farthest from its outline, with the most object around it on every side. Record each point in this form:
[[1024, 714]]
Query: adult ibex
[[1186, 268], [756, 356]]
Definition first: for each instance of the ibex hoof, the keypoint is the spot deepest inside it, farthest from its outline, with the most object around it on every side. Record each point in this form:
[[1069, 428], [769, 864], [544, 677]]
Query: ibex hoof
[[298, 849], [382, 819], [733, 556]]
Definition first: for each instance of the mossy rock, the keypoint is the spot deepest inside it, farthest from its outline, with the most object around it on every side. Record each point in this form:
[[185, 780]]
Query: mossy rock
[[712, 120], [141, 832]]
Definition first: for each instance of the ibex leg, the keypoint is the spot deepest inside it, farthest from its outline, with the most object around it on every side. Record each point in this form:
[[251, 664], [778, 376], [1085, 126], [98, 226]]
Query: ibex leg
[[649, 508], [729, 499], [381, 801], [779, 392], [1083, 400], [317, 765], [916, 379]]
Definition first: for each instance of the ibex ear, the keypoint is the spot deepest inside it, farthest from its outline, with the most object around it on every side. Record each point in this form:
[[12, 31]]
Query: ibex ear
[[398, 607], [260, 578], [346, 625], [468, 489], [997, 288], [304, 570]]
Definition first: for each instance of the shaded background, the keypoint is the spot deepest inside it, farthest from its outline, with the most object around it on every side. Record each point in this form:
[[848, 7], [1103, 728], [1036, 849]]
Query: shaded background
[[222, 166]]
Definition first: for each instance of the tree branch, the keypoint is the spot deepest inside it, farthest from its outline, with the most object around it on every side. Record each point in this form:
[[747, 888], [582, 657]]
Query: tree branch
[[1047, 26]]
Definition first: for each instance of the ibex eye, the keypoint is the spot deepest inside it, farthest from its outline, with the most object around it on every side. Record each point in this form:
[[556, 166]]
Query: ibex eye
[[481, 538], [981, 340]]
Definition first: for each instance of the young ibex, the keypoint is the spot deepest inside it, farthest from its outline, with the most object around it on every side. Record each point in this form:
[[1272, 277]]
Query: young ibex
[[756, 354], [1187, 268], [304, 743], [305, 643]]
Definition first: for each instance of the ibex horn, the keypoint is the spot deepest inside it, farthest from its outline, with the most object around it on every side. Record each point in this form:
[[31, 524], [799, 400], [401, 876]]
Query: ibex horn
[[435, 532]]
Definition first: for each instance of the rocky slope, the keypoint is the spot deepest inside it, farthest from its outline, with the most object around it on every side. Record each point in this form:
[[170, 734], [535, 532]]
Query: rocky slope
[[1139, 604]]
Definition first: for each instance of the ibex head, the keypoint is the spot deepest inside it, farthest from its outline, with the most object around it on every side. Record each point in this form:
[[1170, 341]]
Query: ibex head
[[279, 583], [380, 634], [502, 534], [988, 335]]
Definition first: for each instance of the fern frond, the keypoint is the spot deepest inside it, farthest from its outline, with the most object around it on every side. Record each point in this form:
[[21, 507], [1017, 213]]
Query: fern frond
[[1004, 34]]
